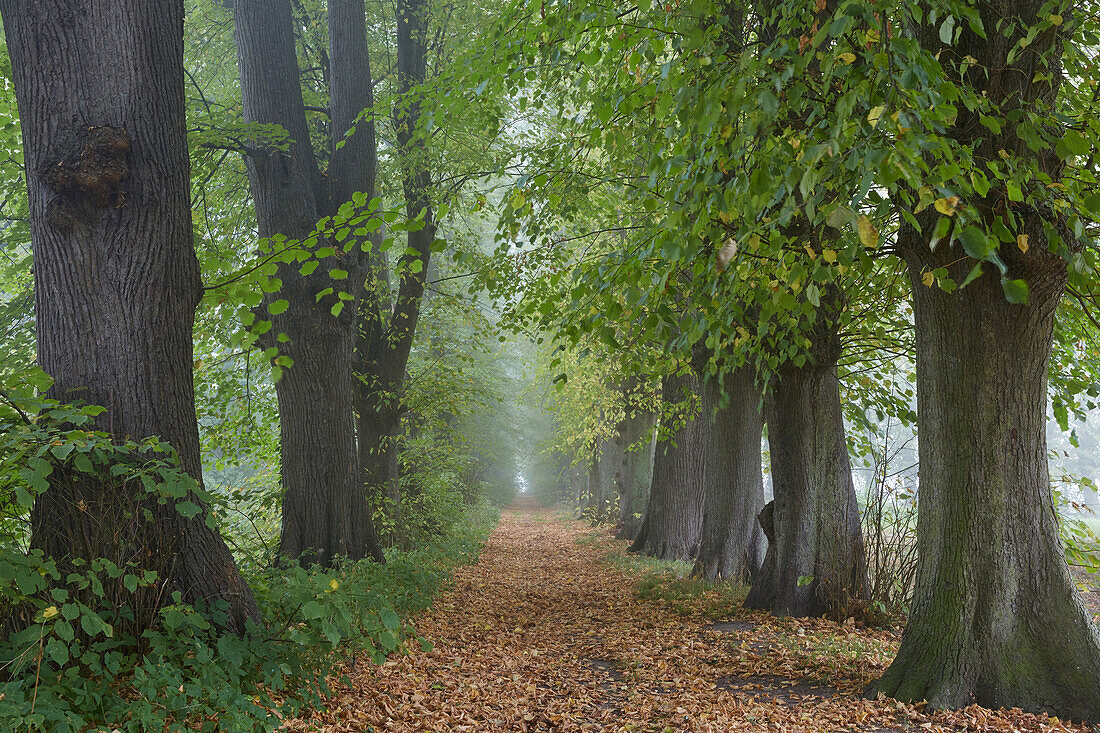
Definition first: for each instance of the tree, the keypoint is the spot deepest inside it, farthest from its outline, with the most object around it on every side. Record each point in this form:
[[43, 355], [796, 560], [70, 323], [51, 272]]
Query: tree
[[637, 441], [995, 617], [815, 562], [325, 509], [100, 91], [385, 335], [674, 512], [732, 545]]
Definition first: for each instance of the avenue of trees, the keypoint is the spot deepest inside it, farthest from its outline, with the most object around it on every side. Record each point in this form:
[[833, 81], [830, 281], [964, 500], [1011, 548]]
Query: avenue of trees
[[779, 217], [294, 290]]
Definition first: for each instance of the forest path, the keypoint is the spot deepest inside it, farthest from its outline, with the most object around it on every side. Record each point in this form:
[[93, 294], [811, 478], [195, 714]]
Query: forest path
[[543, 633]]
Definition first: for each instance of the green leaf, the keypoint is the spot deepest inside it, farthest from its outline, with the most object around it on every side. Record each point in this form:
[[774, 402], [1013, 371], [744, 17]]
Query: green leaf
[[975, 241], [1015, 290], [188, 509], [390, 619]]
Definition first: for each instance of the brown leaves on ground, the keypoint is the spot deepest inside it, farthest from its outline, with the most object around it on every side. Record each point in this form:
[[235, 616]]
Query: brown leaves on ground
[[542, 634]]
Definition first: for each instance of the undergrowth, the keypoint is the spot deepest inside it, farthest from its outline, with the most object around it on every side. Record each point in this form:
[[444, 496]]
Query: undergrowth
[[70, 672]]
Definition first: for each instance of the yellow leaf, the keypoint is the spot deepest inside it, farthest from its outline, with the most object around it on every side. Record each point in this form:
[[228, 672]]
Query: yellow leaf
[[727, 130], [829, 255], [875, 115], [868, 235], [926, 198], [847, 57], [928, 278], [333, 584], [810, 251], [1056, 20], [50, 612], [1022, 243], [947, 206]]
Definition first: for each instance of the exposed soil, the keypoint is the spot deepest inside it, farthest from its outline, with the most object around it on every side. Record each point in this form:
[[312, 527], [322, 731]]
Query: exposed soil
[[544, 634]]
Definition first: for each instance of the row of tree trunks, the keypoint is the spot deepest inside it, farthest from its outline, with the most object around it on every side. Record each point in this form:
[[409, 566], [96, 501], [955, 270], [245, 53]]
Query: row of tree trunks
[[707, 487], [116, 280]]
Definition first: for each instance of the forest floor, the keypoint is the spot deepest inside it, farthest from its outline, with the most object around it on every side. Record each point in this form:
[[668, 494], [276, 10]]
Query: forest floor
[[554, 629]]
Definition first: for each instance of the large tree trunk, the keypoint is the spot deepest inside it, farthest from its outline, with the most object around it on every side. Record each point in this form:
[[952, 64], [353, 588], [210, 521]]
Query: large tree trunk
[[100, 92], [815, 563], [732, 544], [995, 618], [674, 511], [387, 338], [637, 443], [325, 512]]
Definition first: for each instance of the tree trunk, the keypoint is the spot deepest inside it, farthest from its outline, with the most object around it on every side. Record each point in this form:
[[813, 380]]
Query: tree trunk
[[386, 338], [603, 481], [674, 511], [815, 563], [637, 471], [732, 544], [578, 486], [996, 619], [325, 512], [100, 92]]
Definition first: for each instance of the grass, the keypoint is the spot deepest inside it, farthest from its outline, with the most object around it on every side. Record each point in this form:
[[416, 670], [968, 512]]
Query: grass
[[835, 657], [690, 597], [669, 582]]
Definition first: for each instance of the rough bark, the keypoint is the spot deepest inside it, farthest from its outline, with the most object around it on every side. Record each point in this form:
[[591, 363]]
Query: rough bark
[[815, 563], [100, 91], [325, 511], [732, 542], [996, 619], [674, 511], [386, 337]]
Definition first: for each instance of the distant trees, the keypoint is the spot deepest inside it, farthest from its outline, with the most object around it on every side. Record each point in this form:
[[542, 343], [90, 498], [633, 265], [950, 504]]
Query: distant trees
[[116, 279]]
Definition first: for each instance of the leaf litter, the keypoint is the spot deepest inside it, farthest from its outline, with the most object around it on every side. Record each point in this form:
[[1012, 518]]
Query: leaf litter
[[543, 634]]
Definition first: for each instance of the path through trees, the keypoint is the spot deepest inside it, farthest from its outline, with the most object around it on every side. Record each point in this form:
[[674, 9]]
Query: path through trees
[[547, 632]]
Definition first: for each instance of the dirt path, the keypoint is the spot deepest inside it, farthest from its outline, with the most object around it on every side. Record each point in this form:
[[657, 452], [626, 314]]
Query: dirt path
[[544, 634]]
